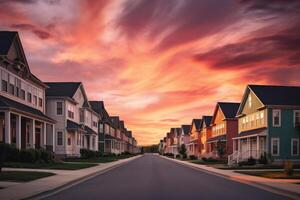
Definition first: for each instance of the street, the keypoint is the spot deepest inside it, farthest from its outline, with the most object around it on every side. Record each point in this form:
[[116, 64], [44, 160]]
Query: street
[[152, 177]]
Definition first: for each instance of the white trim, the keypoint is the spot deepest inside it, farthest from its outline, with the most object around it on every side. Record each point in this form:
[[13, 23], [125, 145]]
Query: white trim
[[294, 117], [297, 140], [272, 143], [273, 111]]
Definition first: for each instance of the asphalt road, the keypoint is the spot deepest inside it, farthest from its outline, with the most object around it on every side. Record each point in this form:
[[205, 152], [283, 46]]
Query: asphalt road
[[152, 177]]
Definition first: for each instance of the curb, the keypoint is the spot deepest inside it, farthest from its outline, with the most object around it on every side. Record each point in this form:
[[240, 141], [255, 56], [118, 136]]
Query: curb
[[77, 181], [282, 192]]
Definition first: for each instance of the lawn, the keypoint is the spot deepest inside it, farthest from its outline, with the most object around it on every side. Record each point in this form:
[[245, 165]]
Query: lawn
[[271, 174], [92, 160], [22, 176], [60, 166], [209, 162], [226, 167]]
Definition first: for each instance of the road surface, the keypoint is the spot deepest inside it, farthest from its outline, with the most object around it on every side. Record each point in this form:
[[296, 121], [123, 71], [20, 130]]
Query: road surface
[[155, 178]]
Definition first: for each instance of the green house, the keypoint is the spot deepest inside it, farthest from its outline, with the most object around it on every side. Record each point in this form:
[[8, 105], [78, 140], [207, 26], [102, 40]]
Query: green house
[[268, 124]]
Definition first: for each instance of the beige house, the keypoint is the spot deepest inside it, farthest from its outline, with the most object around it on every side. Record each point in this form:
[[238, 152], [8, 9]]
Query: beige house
[[22, 99]]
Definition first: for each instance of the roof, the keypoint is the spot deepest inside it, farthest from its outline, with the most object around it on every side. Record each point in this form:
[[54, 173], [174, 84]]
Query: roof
[[197, 123], [98, 107], [6, 39], [186, 129], [178, 132], [217, 139], [62, 89], [252, 132], [277, 95], [115, 120], [89, 130], [207, 120], [109, 137], [73, 125], [229, 109], [11, 104]]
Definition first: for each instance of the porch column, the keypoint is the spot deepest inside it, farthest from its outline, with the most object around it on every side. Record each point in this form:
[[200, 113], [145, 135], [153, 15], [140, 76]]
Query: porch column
[[239, 145], [18, 131], [234, 145], [53, 137], [32, 134], [111, 146], [44, 135], [257, 147], [249, 146], [7, 128]]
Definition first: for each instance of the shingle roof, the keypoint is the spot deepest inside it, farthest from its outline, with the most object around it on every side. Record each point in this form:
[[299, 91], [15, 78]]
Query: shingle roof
[[9, 104], [252, 132], [73, 125], [62, 89], [229, 108], [217, 139], [98, 107], [6, 39], [89, 130], [277, 95], [186, 129], [207, 120], [178, 132], [197, 123], [116, 121]]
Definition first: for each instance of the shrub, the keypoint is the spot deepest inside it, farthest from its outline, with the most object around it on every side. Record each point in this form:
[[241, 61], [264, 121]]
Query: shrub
[[86, 153], [177, 156], [209, 159], [46, 156], [192, 157], [27, 155], [251, 161]]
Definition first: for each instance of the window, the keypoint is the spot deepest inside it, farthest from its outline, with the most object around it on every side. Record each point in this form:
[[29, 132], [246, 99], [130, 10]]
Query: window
[[71, 111], [297, 118], [101, 128], [295, 147], [81, 115], [275, 142], [94, 124], [69, 141], [22, 91], [40, 102], [29, 97], [261, 118], [11, 86], [18, 87], [276, 114], [59, 108], [59, 138], [35, 100]]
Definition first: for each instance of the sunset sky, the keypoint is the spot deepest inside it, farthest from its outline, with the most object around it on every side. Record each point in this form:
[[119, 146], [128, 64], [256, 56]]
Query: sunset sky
[[159, 63]]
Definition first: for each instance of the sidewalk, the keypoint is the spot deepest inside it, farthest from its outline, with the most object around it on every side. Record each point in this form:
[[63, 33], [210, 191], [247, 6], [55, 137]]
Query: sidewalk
[[283, 185], [62, 178]]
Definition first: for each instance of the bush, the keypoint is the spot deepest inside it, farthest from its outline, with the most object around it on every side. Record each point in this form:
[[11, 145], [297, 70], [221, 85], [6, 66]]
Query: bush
[[86, 153], [27, 155], [177, 156], [288, 167], [192, 157], [251, 161], [46, 156], [209, 159]]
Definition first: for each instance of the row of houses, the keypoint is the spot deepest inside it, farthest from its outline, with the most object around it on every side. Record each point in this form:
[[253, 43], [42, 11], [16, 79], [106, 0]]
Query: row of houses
[[53, 115], [265, 123]]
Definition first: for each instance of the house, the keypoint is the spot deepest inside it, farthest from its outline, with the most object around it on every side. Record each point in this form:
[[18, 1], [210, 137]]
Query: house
[[224, 127], [185, 135], [268, 124], [117, 133], [205, 133], [23, 119], [194, 143], [98, 107], [176, 143], [168, 143], [77, 123]]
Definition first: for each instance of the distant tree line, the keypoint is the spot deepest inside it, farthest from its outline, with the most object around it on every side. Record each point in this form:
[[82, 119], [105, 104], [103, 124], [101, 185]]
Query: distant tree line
[[150, 149]]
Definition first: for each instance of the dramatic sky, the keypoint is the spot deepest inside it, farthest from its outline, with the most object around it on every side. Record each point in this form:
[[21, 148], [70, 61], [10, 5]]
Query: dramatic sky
[[159, 63]]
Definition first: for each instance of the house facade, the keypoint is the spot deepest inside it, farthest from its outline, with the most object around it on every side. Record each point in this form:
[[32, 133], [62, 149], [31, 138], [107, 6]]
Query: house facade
[[23, 118], [194, 142], [77, 123], [204, 134], [185, 135], [224, 127], [268, 124]]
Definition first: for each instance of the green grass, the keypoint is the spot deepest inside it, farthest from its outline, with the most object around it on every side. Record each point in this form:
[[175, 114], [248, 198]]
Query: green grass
[[211, 162], [22, 176], [59, 166], [271, 174], [98, 160]]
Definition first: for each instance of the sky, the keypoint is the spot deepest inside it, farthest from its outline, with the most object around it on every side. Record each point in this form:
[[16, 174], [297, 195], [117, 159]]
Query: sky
[[157, 63]]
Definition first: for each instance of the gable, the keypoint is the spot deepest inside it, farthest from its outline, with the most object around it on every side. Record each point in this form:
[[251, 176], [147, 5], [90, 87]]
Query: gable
[[250, 103], [218, 116], [79, 96]]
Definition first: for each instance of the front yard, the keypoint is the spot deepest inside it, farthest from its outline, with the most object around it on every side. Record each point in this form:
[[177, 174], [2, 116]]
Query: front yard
[[271, 174], [104, 159], [22, 176], [54, 165]]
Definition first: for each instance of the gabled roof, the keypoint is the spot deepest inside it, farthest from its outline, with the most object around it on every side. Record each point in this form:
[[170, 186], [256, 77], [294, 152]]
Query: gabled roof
[[206, 120], [115, 120], [98, 107], [277, 95], [186, 129], [197, 123], [229, 109], [6, 39], [178, 131], [62, 89]]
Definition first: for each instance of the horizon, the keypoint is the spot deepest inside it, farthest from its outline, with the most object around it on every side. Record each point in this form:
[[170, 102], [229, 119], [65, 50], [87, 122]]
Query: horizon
[[159, 64]]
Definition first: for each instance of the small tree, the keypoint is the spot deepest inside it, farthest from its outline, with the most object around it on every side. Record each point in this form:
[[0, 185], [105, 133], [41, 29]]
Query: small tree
[[182, 151]]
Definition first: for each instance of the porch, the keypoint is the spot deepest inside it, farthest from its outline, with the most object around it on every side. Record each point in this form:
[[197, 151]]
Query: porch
[[25, 131], [216, 147]]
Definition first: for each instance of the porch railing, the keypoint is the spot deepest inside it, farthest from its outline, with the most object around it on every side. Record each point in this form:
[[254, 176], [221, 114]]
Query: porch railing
[[237, 156]]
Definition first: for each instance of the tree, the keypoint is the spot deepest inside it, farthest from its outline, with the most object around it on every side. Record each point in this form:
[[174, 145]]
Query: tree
[[182, 151]]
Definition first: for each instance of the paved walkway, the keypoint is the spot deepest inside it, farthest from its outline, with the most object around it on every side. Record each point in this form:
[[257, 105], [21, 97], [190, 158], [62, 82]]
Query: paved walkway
[[287, 185], [62, 177]]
